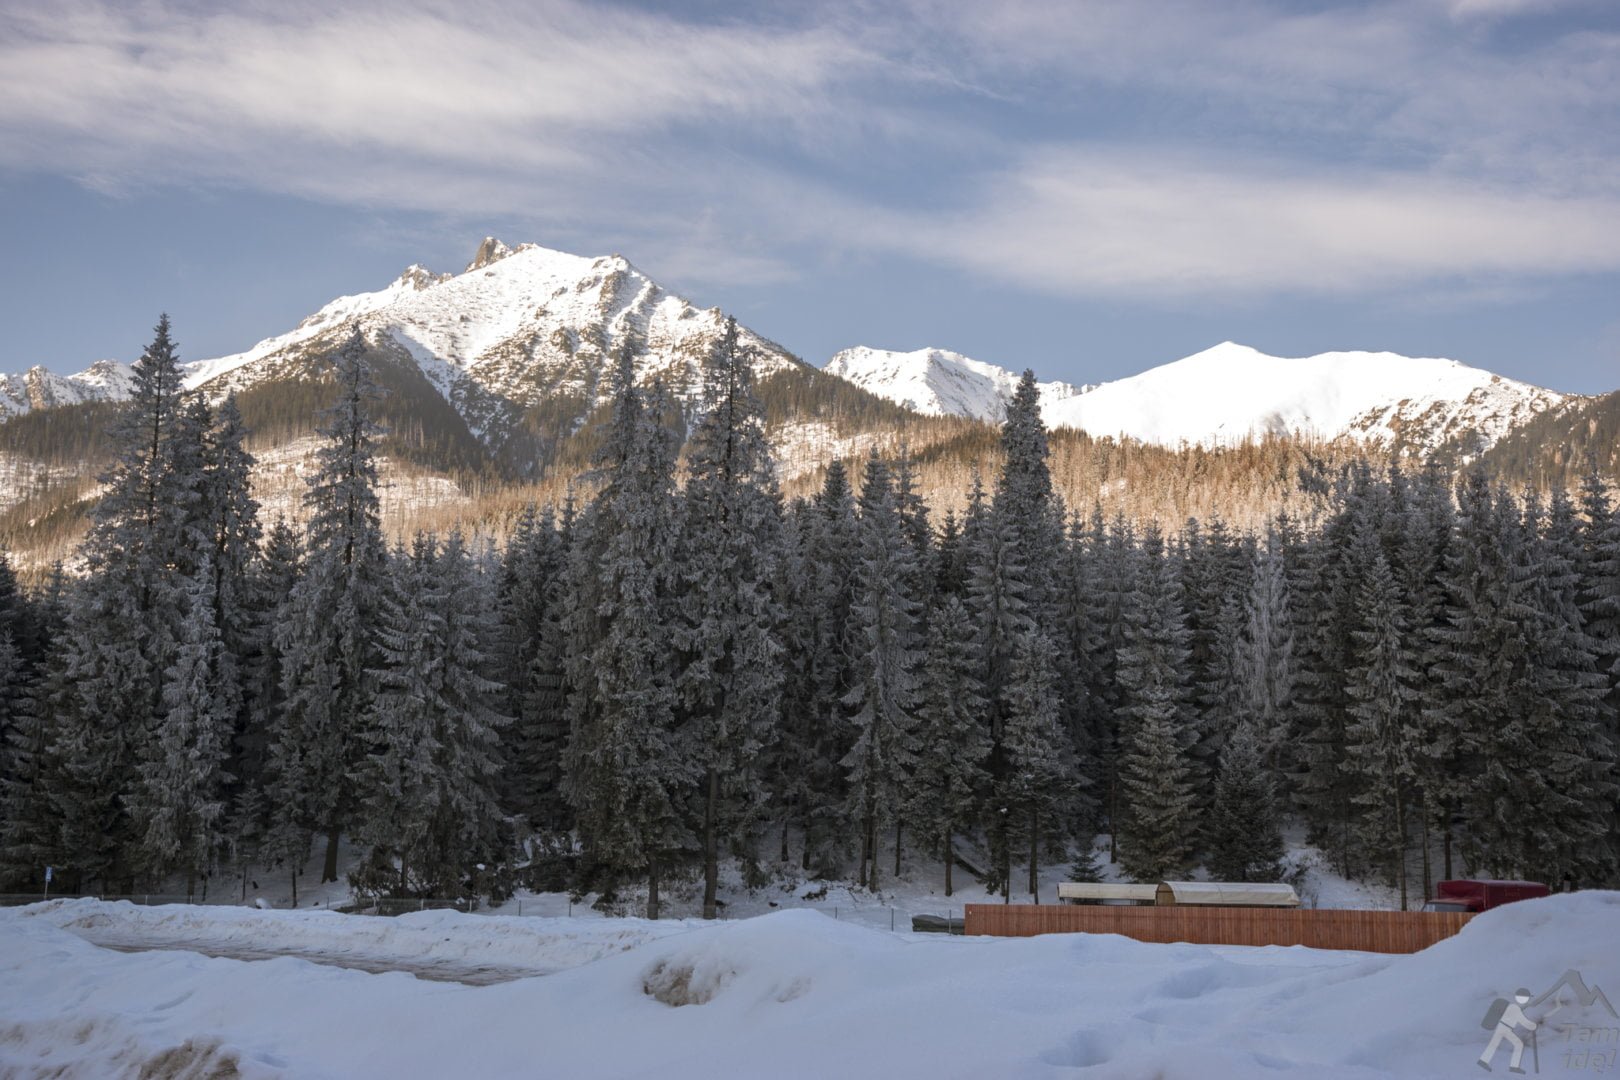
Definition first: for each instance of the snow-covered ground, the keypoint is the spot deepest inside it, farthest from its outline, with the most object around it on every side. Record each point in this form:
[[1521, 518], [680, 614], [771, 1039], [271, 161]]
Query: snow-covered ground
[[790, 994]]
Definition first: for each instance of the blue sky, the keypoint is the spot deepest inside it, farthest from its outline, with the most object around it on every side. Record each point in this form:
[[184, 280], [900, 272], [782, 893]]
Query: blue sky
[[1088, 188]]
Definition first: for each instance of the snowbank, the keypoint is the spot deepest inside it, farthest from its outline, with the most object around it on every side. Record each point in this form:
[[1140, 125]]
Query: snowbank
[[787, 995]]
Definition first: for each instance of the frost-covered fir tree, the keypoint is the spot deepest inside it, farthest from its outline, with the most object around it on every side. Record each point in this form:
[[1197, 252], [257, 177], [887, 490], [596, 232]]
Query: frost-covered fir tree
[[26, 821], [326, 635], [1265, 650], [882, 703], [830, 534], [1571, 781], [269, 588], [427, 789], [533, 593], [1245, 838], [631, 767], [951, 735], [731, 678], [178, 802], [1378, 747], [1339, 560], [998, 600], [1598, 564], [1160, 803], [1041, 780], [124, 622], [1217, 569]]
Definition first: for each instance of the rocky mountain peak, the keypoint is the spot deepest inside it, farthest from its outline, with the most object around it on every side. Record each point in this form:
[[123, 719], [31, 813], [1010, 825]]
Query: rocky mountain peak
[[490, 251]]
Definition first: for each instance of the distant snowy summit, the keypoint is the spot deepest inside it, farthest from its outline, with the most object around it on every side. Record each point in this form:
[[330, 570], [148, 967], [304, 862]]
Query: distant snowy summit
[[37, 388], [937, 382], [520, 329], [523, 338], [1230, 393]]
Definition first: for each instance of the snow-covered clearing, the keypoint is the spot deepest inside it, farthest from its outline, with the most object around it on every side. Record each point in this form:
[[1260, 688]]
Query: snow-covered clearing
[[789, 994]]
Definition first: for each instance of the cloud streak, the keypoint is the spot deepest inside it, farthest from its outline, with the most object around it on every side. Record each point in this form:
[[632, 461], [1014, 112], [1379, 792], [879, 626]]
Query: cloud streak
[[1102, 148]]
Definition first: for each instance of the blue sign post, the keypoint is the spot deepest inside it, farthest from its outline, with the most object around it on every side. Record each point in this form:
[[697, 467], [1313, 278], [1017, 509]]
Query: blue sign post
[[47, 883]]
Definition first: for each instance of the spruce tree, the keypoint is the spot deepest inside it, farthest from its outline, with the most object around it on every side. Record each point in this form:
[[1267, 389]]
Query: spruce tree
[[124, 623], [951, 736], [884, 622], [631, 767], [326, 637], [731, 680], [178, 804], [1378, 748], [1245, 840], [428, 788], [1160, 803], [1041, 781], [831, 536]]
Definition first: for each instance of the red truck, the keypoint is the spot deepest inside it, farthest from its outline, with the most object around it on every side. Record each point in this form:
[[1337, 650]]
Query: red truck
[[1479, 896]]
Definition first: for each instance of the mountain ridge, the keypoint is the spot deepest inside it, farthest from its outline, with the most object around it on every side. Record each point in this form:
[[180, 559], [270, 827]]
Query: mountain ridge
[[1230, 393]]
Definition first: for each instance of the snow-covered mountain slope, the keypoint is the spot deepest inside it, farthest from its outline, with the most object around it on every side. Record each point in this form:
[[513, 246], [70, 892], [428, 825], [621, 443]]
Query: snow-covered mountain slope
[[937, 382], [1232, 392], [518, 326], [36, 388]]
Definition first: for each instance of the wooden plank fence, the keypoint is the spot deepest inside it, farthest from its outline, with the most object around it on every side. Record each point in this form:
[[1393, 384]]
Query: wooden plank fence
[[1367, 931]]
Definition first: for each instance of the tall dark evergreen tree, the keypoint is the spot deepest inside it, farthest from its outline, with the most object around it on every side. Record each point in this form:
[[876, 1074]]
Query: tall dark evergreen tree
[[951, 736], [1379, 752], [631, 766], [1156, 776], [884, 623], [731, 681], [327, 635], [428, 787], [124, 624], [1245, 839]]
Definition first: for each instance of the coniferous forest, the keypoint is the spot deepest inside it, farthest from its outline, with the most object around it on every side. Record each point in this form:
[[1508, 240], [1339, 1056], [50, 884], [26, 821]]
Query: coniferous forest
[[677, 667]]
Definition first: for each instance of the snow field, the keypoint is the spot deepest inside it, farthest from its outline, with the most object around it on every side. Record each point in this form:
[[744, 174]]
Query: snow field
[[789, 994]]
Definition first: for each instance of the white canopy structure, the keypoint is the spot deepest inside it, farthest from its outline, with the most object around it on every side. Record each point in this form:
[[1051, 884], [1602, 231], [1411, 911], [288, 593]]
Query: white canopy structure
[[1107, 892], [1204, 893], [1228, 894]]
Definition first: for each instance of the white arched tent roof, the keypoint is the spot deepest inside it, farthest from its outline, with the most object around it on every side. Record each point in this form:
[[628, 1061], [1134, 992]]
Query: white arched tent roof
[[1233, 893], [1106, 890]]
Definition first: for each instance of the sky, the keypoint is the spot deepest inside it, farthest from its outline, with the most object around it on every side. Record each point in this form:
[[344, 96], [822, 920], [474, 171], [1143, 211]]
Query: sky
[[1088, 188]]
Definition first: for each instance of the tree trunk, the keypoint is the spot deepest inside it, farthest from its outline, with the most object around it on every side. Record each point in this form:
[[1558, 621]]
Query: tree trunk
[[711, 854], [897, 828], [1113, 817], [871, 843], [1034, 856], [1004, 857], [1445, 843], [652, 889], [329, 869], [1400, 849], [950, 857], [191, 883], [295, 888], [783, 857], [866, 852], [1428, 870]]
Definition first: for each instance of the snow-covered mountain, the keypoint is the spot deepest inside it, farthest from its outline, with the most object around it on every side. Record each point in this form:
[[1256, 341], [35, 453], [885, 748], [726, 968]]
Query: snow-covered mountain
[[517, 328], [1231, 392], [36, 388], [937, 382]]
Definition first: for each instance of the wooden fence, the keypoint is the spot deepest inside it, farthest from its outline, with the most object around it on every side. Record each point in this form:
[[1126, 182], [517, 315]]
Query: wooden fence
[[1367, 931]]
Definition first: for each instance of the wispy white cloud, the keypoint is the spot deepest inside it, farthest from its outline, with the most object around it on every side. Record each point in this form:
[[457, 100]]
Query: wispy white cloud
[[1109, 146], [1083, 221]]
